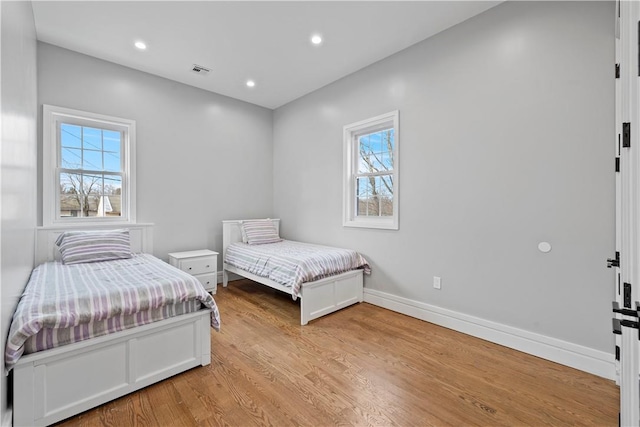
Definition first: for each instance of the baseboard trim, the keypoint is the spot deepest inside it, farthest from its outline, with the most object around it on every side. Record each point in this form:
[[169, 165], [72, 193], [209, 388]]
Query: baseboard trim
[[565, 353]]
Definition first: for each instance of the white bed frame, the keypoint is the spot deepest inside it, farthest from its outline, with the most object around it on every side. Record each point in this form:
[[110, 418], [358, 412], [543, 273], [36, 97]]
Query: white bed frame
[[52, 385], [317, 298]]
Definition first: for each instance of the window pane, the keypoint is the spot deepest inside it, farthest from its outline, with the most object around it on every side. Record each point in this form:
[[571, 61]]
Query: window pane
[[387, 149], [386, 194], [386, 161], [372, 206], [363, 143], [364, 163], [364, 151], [70, 135], [368, 206], [112, 143], [91, 138], [363, 195], [389, 139], [110, 204], [69, 199], [376, 162], [71, 158], [111, 140], [92, 160], [112, 162], [375, 142]]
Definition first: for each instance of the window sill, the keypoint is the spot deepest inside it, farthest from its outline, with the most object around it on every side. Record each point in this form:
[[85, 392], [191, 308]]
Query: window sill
[[90, 222], [391, 224]]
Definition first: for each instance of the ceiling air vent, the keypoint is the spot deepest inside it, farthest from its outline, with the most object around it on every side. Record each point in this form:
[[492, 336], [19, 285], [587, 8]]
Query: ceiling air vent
[[199, 69]]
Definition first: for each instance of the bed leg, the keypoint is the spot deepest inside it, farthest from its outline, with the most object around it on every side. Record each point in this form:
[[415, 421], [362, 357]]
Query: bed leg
[[225, 278]]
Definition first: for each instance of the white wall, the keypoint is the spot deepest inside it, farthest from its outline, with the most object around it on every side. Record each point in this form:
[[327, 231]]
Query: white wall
[[507, 124], [18, 97], [201, 157]]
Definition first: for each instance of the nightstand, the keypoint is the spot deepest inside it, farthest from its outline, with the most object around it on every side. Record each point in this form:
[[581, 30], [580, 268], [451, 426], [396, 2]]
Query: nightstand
[[202, 264]]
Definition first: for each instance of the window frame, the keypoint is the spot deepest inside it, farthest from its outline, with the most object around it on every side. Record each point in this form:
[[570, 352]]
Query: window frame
[[52, 117], [351, 157]]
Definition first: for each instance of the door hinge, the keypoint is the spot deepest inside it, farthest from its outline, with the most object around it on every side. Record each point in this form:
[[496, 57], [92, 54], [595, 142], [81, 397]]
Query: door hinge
[[617, 164], [614, 262], [617, 71], [626, 134], [618, 352]]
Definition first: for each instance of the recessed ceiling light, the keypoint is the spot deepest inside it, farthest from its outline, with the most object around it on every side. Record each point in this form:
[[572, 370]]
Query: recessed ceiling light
[[316, 39], [251, 83], [140, 45]]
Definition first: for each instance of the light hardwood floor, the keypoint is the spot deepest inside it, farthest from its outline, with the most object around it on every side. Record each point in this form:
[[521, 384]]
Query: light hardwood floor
[[363, 365]]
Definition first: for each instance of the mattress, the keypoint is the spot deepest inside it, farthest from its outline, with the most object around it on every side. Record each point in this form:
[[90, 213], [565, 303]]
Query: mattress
[[48, 338], [291, 263], [63, 304]]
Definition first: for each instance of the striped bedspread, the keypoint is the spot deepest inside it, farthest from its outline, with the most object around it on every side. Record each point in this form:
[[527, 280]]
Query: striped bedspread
[[62, 304], [293, 263]]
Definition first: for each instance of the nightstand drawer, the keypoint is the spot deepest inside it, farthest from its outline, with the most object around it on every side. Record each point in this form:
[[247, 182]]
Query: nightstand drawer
[[209, 281], [198, 265]]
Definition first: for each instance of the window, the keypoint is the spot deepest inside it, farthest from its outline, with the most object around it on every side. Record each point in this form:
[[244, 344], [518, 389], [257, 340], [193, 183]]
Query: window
[[371, 173], [88, 167]]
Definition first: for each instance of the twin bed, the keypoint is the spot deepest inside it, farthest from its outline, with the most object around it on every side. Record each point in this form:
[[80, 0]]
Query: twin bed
[[147, 320], [58, 382], [325, 279]]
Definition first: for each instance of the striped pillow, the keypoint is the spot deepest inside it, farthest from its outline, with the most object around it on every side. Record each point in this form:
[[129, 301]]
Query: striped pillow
[[91, 246], [260, 232]]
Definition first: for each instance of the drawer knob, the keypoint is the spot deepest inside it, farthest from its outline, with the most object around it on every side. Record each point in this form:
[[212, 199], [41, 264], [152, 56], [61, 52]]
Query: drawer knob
[[207, 265], [189, 268]]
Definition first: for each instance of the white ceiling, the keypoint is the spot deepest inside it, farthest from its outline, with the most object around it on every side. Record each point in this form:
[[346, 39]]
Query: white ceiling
[[266, 41]]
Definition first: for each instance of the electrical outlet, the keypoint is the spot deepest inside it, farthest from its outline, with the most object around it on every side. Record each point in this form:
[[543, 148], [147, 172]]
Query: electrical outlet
[[436, 282]]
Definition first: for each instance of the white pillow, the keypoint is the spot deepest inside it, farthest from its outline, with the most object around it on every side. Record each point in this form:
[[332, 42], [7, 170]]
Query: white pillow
[[91, 246], [259, 232]]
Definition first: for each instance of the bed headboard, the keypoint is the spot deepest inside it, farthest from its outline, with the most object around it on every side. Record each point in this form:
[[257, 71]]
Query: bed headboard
[[141, 236], [231, 232]]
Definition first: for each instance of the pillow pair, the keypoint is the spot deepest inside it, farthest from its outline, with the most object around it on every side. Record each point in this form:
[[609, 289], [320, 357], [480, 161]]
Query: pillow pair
[[92, 246], [259, 232]]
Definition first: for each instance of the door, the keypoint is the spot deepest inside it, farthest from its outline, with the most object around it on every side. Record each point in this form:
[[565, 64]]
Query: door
[[627, 209]]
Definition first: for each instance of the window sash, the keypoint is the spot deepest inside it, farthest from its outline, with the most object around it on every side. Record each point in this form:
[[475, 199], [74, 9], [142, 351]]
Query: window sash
[[83, 143]]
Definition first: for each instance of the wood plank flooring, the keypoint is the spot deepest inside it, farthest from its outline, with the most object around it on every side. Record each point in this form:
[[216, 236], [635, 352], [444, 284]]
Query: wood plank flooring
[[363, 365]]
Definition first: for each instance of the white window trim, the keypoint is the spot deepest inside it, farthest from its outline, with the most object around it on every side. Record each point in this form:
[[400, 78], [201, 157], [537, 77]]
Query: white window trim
[[51, 116], [350, 218]]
